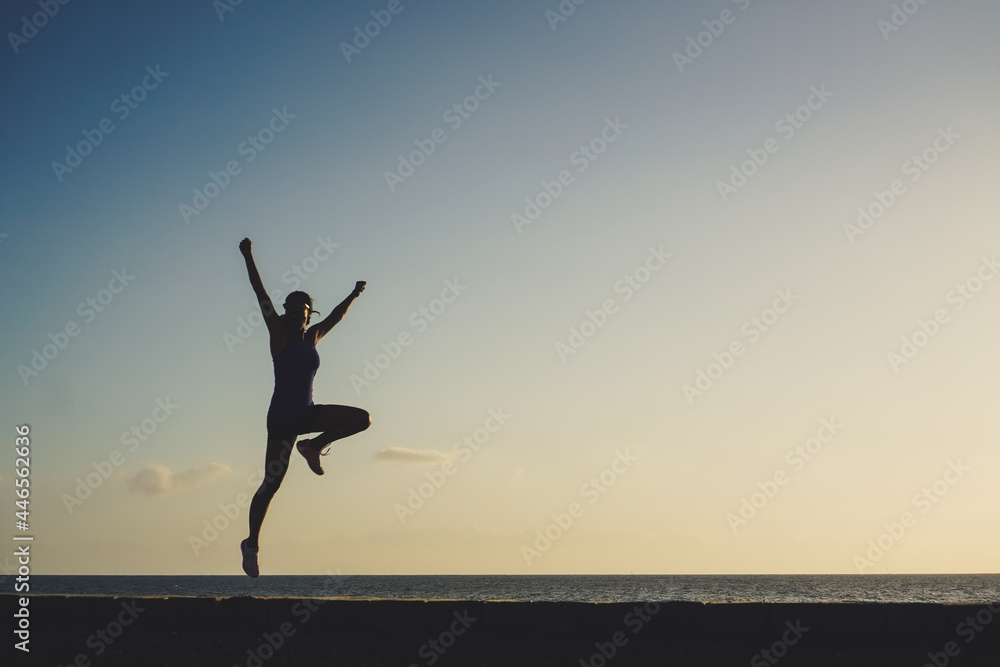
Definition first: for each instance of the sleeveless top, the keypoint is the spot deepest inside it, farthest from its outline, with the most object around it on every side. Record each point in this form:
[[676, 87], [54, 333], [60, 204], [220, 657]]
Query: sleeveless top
[[294, 369]]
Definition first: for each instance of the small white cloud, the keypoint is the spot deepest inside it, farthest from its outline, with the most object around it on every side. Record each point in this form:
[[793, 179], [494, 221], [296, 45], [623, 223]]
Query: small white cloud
[[405, 455], [157, 480]]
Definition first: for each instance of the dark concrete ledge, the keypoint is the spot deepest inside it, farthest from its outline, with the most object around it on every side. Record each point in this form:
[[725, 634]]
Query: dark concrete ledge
[[259, 632]]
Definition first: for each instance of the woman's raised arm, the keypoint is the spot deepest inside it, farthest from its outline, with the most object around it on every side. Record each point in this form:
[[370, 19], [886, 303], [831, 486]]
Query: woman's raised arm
[[321, 329], [266, 307]]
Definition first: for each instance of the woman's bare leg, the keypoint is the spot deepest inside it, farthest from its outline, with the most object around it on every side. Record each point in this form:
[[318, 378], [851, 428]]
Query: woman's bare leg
[[275, 465], [335, 422]]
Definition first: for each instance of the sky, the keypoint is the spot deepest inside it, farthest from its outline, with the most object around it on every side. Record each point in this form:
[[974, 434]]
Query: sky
[[679, 288]]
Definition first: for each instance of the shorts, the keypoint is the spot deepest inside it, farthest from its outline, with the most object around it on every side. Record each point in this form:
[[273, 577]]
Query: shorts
[[283, 428]]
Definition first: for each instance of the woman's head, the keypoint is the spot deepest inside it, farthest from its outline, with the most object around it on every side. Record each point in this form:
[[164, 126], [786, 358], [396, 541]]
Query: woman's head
[[298, 306]]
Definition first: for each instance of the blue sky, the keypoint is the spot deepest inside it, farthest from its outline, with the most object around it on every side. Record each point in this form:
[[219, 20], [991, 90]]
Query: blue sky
[[671, 135]]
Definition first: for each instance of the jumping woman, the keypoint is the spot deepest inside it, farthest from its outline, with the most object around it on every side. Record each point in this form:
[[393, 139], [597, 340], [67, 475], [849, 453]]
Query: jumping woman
[[292, 412]]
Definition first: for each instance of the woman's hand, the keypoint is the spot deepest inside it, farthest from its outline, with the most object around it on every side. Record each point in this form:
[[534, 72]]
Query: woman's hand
[[245, 247], [359, 287]]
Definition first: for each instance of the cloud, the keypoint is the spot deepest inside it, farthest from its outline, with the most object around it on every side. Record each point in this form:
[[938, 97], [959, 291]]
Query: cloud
[[156, 480], [404, 455]]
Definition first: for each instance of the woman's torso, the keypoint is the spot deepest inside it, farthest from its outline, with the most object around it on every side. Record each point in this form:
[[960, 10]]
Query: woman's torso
[[294, 369]]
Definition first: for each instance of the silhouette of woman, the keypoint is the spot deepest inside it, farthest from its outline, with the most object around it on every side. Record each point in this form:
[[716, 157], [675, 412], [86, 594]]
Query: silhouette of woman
[[292, 412]]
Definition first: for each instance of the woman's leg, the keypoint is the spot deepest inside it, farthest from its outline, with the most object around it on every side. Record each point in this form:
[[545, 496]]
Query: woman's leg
[[279, 450], [335, 422]]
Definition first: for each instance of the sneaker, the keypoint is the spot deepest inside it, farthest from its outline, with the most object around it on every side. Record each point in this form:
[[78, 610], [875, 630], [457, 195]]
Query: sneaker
[[249, 559], [311, 456]]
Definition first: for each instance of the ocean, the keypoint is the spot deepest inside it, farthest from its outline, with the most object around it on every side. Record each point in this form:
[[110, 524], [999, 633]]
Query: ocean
[[944, 588]]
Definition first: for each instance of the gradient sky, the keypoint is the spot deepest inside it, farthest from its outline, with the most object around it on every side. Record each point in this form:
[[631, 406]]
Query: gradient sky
[[695, 461]]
